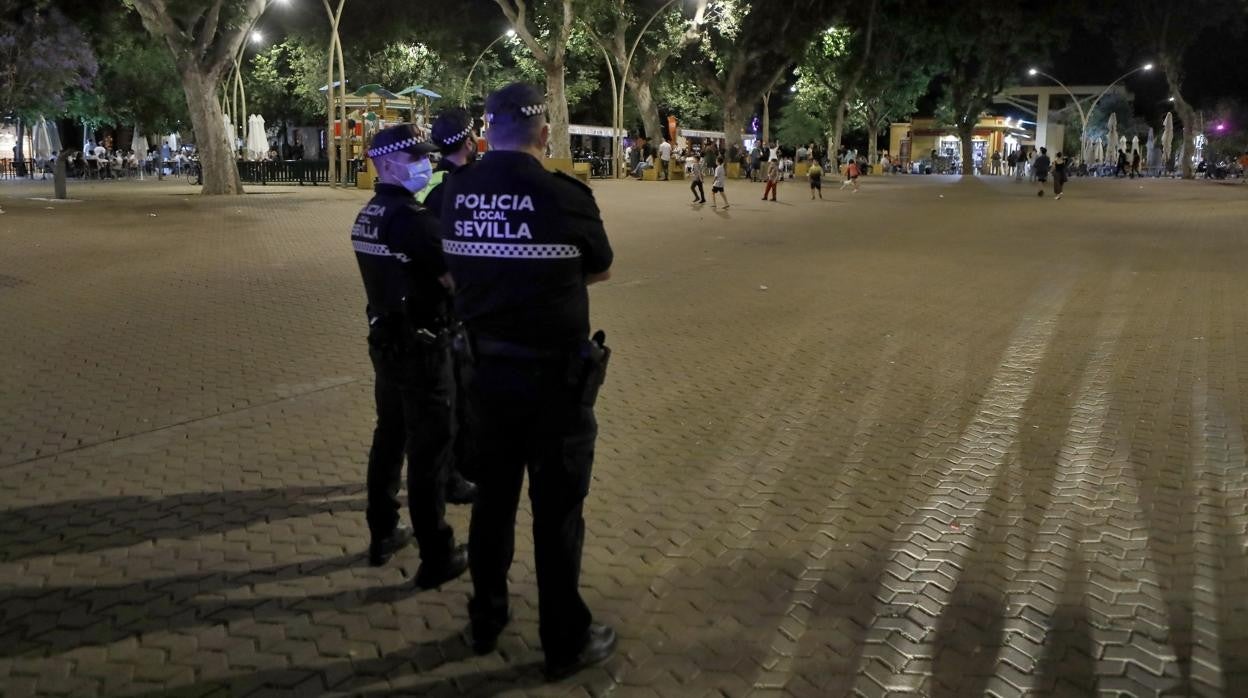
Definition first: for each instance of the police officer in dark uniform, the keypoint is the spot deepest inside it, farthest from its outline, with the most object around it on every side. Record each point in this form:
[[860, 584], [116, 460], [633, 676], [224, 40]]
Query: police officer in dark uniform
[[397, 247], [522, 244], [452, 134]]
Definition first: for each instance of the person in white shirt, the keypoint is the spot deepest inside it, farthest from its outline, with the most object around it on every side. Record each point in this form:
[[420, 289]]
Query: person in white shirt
[[717, 187], [665, 157]]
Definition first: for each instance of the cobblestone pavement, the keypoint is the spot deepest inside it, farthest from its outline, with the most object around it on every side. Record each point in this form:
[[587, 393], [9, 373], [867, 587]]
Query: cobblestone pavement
[[937, 438]]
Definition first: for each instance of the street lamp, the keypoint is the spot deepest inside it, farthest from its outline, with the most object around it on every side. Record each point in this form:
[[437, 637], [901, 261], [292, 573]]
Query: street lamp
[[463, 95], [1085, 115], [257, 37], [617, 124]]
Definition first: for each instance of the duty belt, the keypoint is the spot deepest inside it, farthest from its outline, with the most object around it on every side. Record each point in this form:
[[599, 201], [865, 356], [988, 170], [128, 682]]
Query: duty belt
[[484, 346]]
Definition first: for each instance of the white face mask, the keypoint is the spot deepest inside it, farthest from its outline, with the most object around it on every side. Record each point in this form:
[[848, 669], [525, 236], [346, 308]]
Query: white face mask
[[418, 175]]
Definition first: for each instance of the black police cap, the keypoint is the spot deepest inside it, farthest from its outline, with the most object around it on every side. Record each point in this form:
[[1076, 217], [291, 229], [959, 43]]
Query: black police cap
[[451, 129], [402, 137], [514, 103]]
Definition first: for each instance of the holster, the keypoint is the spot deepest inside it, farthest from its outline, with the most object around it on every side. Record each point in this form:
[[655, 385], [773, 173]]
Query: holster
[[587, 368]]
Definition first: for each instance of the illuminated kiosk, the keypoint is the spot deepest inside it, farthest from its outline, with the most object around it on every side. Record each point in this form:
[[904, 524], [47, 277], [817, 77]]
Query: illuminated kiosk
[[913, 141]]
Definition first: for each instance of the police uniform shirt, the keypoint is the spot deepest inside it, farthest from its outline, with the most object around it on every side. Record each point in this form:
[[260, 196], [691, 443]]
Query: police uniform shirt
[[519, 242], [398, 247]]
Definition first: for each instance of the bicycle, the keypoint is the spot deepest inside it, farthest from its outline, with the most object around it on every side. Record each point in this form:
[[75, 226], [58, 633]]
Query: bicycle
[[192, 172]]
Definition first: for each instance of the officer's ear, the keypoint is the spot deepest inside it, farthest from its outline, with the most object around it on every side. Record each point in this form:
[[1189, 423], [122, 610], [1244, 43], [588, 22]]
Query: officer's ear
[[544, 136]]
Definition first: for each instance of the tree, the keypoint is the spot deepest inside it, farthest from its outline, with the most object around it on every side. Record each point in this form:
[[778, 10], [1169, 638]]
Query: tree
[[982, 56], [42, 56], [1166, 30], [204, 36], [897, 73], [551, 21], [651, 47], [749, 45], [137, 83]]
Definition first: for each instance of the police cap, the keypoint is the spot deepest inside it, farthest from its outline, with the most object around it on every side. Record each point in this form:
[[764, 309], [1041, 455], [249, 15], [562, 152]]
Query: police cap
[[402, 137], [451, 129], [514, 103]]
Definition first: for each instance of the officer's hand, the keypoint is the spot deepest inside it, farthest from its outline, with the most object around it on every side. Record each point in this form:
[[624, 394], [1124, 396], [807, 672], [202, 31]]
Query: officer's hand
[[595, 278], [447, 282]]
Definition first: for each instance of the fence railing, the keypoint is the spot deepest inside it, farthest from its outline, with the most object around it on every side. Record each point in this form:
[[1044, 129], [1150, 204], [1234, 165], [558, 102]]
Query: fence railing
[[300, 172]]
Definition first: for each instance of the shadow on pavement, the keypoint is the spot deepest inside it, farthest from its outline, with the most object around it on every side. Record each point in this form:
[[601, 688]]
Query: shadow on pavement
[[89, 525]]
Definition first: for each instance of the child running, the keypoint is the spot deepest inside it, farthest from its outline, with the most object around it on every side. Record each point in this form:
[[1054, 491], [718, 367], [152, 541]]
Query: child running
[[851, 175], [695, 173], [717, 187], [773, 176], [815, 173]]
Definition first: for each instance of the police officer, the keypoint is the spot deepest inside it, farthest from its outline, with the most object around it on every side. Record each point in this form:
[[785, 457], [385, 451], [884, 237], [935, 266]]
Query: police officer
[[452, 134], [522, 244], [397, 247]]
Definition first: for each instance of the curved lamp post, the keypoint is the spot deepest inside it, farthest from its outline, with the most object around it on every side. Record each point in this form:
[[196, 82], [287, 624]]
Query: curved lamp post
[[617, 125], [463, 94], [1084, 115]]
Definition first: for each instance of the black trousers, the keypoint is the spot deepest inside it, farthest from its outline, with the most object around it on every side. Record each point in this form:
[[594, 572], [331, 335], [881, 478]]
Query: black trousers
[[414, 401], [527, 417], [699, 194]]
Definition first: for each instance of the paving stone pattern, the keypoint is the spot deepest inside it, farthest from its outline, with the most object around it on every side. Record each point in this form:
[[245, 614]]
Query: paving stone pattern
[[936, 438]]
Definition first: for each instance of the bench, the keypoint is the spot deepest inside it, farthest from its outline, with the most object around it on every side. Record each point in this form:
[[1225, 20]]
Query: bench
[[580, 170]]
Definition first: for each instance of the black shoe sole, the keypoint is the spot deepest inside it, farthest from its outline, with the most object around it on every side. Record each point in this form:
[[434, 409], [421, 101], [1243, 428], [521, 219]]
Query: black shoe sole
[[484, 644]]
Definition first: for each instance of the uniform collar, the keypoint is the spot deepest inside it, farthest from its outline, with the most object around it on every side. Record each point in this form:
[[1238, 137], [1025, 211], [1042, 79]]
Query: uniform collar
[[385, 189], [513, 156]]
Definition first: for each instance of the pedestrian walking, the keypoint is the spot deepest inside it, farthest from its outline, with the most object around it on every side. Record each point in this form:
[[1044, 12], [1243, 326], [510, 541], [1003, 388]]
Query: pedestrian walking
[[815, 173], [717, 186], [1031, 164], [996, 163], [1059, 175], [1121, 168], [521, 278], [773, 176], [665, 158], [756, 161], [406, 283], [1135, 164], [1040, 169], [851, 175], [695, 186], [1011, 162]]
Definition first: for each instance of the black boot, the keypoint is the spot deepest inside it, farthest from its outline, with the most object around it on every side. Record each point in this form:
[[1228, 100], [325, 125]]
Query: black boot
[[599, 645], [380, 550], [460, 490], [434, 573]]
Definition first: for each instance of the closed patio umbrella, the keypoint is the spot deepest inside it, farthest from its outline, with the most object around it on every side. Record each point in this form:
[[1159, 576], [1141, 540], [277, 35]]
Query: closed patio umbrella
[[1112, 141], [138, 143], [1167, 139]]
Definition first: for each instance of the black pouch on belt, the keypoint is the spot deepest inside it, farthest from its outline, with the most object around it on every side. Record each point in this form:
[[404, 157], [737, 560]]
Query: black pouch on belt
[[587, 370]]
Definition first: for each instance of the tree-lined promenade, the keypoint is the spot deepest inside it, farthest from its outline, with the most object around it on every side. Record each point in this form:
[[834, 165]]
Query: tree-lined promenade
[[825, 67]]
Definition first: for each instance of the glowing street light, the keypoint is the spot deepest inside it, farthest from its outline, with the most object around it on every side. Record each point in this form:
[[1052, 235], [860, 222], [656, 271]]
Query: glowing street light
[[257, 37], [1084, 115], [463, 97]]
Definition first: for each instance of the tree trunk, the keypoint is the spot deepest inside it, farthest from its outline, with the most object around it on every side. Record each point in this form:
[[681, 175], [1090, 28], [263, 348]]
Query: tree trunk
[[58, 173], [19, 152], [767, 116], [838, 125], [732, 124], [644, 96], [557, 112], [966, 131], [347, 134], [873, 142], [216, 157]]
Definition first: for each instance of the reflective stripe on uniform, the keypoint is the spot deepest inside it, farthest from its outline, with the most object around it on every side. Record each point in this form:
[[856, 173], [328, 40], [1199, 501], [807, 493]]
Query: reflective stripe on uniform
[[378, 250], [505, 250]]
